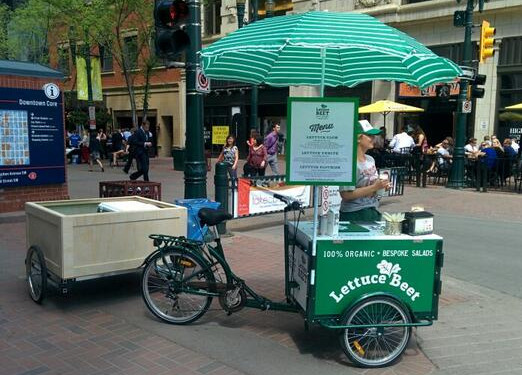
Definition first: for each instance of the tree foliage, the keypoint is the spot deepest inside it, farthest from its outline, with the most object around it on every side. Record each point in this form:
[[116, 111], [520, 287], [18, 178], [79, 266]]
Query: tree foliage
[[80, 23]]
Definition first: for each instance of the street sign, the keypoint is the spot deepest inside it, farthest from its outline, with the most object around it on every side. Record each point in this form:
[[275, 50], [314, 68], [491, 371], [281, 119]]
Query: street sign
[[467, 72], [202, 82], [466, 106]]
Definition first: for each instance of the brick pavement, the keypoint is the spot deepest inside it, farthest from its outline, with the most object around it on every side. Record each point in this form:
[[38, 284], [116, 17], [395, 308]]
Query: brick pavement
[[67, 337]]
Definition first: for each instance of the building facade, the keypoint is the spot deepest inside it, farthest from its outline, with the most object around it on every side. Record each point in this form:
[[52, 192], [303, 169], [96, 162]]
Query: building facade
[[428, 21], [431, 23]]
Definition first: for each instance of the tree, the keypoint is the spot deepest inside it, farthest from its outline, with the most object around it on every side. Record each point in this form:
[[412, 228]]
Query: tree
[[122, 27], [28, 27]]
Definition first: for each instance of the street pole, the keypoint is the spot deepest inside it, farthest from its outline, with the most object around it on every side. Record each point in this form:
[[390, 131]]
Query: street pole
[[195, 166], [269, 8], [456, 178], [90, 101], [254, 92]]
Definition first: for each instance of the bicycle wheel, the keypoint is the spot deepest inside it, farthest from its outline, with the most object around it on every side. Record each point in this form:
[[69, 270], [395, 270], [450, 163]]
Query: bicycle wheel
[[173, 287], [36, 273], [375, 346]]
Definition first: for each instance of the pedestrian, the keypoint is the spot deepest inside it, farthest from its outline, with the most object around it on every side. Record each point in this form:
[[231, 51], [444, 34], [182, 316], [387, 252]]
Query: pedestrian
[[131, 154], [271, 141], [230, 155], [142, 144], [256, 160], [94, 150], [360, 202]]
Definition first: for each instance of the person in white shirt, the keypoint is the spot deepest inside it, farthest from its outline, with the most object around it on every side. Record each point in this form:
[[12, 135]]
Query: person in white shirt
[[471, 149], [401, 141]]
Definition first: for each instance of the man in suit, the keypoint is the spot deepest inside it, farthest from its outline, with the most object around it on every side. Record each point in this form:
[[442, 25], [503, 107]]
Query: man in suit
[[141, 142]]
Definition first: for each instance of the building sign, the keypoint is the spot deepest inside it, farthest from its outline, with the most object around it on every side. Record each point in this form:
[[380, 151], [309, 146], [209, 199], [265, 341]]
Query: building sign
[[321, 141], [440, 90], [219, 135], [32, 150]]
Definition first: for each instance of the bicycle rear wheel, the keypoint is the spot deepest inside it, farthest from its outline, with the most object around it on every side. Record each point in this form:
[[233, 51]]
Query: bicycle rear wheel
[[174, 284]]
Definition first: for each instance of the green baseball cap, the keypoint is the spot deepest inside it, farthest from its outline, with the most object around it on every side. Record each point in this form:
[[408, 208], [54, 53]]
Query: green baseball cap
[[364, 127]]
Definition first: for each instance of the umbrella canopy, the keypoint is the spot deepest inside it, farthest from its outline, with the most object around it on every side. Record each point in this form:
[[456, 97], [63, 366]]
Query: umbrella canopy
[[516, 106], [387, 106], [324, 48]]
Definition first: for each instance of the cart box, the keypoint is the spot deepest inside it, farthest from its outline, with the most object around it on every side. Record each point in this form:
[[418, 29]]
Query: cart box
[[345, 268], [77, 241]]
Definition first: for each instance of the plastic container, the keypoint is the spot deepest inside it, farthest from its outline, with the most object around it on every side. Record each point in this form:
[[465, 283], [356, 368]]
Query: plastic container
[[194, 229]]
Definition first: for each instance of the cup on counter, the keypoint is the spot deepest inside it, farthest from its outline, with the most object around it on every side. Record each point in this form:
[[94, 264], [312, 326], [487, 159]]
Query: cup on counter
[[384, 177]]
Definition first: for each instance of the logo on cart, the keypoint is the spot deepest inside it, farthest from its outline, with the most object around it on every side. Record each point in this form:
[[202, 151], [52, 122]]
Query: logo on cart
[[388, 274]]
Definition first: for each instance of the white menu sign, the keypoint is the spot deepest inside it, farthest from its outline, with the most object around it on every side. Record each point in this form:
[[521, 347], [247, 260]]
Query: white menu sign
[[322, 147]]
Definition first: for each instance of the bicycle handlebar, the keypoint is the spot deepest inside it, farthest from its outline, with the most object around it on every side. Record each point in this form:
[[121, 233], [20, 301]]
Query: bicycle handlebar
[[291, 203]]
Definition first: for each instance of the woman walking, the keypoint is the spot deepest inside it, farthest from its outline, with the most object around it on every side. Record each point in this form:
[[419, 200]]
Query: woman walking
[[230, 155]]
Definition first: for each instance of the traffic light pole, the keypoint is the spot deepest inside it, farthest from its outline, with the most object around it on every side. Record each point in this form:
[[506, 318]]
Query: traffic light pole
[[456, 178], [195, 166], [254, 93]]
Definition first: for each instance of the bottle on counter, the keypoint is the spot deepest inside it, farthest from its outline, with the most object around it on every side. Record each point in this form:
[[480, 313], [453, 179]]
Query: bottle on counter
[[333, 222]]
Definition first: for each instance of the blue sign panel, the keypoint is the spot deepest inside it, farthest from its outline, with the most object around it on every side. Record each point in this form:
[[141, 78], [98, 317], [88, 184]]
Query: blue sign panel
[[31, 137]]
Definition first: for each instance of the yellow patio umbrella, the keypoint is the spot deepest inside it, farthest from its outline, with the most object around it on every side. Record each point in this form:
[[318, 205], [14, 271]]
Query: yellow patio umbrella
[[516, 106], [387, 106]]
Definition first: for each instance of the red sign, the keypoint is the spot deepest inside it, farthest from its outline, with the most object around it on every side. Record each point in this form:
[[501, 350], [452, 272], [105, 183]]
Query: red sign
[[408, 91]]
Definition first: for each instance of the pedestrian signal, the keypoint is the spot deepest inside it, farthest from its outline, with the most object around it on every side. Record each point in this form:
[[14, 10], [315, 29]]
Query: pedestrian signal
[[487, 41], [171, 38], [474, 90]]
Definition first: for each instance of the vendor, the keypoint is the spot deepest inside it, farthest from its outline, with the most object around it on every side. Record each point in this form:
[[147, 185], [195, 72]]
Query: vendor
[[360, 202]]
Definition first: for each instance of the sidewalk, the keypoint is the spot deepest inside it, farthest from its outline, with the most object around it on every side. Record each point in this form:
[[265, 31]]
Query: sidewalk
[[104, 327]]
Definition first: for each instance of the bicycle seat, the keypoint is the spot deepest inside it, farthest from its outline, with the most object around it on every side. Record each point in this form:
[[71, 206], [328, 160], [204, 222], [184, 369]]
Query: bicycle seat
[[210, 217]]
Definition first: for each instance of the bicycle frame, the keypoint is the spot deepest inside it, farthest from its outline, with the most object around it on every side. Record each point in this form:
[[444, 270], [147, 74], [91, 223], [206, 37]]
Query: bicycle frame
[[212, 256]]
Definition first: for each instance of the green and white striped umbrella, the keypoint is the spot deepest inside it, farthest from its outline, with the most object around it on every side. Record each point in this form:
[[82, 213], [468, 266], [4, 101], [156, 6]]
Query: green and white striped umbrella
[[316, 48]]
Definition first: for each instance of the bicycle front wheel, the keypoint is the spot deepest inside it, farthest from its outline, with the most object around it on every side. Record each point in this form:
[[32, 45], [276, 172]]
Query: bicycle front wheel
[[375, 346], [174, 286]]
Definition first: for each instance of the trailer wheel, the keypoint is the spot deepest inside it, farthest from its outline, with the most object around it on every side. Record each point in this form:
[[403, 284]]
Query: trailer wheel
[[36, 273], [375, 346]]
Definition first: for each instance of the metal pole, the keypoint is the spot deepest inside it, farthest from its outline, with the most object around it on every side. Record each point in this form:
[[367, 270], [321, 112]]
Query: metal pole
[[269, 8], [240, 13], [254, 93], [456, 178], [195, 166], [90, 101]]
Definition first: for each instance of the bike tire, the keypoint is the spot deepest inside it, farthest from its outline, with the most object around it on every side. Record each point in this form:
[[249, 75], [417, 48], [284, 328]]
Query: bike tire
[[36, 273], [164, 279], [375, 346]]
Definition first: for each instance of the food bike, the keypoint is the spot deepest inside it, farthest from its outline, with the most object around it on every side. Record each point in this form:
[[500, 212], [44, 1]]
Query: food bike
[[371, 287]]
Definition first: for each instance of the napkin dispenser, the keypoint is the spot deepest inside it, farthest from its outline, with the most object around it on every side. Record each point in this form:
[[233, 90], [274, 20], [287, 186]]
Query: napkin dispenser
[[417, 223]]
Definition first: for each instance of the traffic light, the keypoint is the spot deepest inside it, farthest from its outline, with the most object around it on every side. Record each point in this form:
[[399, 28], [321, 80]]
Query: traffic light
[[486, 41], [171, 38], [473, 90]]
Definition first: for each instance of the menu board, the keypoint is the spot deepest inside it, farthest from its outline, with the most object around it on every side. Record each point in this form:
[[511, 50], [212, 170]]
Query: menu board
[[322, 147], [31, 136]]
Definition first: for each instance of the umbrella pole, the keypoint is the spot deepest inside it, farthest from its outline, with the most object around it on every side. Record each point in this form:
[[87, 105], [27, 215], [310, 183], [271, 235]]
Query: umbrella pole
[[316, 188]]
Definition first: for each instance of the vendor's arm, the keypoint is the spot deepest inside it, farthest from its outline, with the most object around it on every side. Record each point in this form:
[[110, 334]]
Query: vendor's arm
[[364, 191]]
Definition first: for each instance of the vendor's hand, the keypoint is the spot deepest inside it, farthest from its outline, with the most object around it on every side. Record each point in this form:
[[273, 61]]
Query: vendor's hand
[[263, 164], [381, 184]]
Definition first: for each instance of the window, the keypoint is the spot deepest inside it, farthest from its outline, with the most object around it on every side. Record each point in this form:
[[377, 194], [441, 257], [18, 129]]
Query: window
[[130, 51], [106, 59], [213, 18], [63, 61]]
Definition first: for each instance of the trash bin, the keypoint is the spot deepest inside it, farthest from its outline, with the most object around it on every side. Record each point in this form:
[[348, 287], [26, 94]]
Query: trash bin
[[194, 229], [178, 158]]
